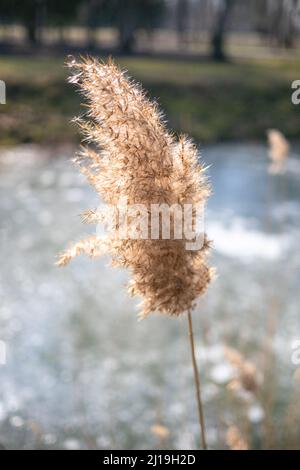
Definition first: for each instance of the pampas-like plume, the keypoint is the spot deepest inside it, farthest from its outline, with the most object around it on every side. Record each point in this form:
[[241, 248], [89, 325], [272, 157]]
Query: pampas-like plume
[[235, 440], [278, 150], [160, 431], [138, 160], [139, 163], [247, 375]]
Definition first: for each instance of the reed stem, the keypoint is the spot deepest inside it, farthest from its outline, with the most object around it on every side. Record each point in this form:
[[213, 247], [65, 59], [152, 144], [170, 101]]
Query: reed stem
[[197, 383]]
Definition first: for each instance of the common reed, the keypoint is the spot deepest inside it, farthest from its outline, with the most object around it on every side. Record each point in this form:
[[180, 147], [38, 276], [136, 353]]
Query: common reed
[[247, 377], [246, 389], [278, 150], [235, 440], [135, 160], [160, 431]]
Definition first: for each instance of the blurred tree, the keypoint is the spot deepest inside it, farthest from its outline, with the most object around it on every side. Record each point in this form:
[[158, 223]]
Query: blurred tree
[[29, 12], [280, 19], [222, 12], [62, 13], [288, 22], [33, 14], [182, 15], [93, 12], [131, 15]]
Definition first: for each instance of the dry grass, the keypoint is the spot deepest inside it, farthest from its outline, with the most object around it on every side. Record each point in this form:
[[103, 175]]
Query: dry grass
[[279, 149], [235, 440], [138, 161]]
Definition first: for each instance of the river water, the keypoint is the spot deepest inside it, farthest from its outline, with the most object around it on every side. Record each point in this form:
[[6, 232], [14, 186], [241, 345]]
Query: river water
[[78, 371]]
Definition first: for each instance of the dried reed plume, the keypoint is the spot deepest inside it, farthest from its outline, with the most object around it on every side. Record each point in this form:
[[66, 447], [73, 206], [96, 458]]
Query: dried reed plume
[[278, 150], [160, 431], [247, 375], [138, 160], [235, 440]]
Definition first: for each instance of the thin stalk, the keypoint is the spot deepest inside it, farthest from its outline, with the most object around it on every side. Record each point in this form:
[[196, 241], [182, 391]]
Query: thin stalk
[[197, 383]]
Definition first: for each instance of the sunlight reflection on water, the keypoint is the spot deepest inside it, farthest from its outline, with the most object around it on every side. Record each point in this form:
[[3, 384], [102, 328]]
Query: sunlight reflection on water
[[81, 372]]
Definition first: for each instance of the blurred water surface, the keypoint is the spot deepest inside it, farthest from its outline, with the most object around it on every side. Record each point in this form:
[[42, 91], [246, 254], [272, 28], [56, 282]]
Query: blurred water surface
[[81, 372]]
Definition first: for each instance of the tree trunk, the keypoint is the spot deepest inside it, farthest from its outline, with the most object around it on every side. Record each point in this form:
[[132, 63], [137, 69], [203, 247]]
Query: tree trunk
[[31, 31], [127, 42], [35, 20], [182, 12], [218, 37], [92, 12], [126, 36], [127, 24]]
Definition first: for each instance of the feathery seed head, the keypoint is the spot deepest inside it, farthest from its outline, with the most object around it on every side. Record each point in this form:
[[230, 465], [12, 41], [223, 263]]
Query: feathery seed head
[[235, 440], [247, 375], [279, 149], [135, 159]]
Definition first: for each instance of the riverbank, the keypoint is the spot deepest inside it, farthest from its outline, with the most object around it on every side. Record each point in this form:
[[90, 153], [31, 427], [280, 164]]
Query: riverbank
[[212, 102]]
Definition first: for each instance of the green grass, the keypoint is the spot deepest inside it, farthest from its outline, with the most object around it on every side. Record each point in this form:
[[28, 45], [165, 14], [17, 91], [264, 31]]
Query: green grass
[[212, 102]]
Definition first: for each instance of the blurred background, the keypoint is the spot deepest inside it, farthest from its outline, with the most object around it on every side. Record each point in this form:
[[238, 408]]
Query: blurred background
[[77, 370]]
